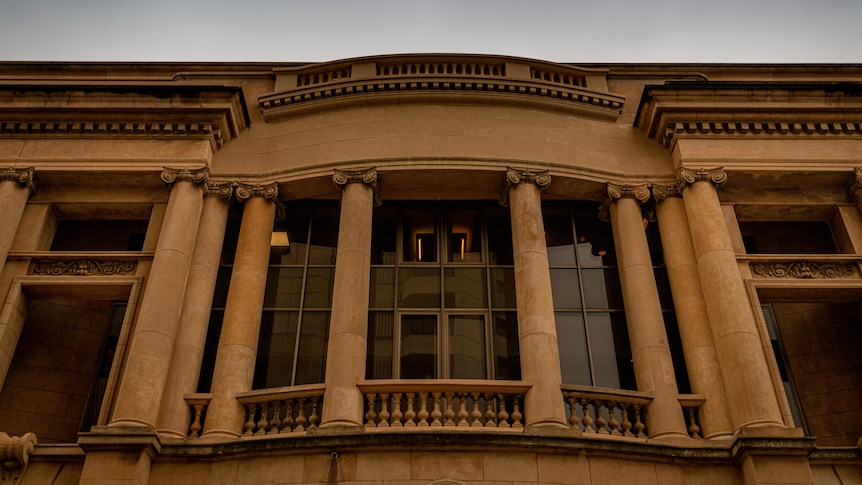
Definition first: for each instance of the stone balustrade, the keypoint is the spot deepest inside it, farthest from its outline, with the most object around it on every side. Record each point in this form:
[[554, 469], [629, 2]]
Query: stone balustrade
[[462, 404], [282, 410], [602, 411]]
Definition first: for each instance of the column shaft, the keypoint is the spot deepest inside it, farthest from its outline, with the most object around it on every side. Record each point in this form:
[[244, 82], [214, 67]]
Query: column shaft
[[703, 370], [751, 396], [345, 357], [537, 331], [174, 415], [149, 357], [650, 351], [237, 349]]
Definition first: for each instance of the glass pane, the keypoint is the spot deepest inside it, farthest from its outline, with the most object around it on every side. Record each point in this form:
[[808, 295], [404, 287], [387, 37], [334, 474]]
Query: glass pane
[[595, 239], [222, 286], [602, 289], [503, 288], [210, 349], [378, 363], [318, 287], [507, 355], [609, 343], [382, 291], [499, 224], [558, 236], [419, 288], [384, 229], [275, 349], [324, 236], [675, 343], [663, 284], [283, 288], [467, 347], [572, 343], [565, 289], [296, 227], [311, 361], [418, 347], [420, 235], [465, 288], [465, 235]]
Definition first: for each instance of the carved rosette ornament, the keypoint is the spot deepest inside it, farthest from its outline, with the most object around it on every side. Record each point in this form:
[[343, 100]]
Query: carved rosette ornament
[[367, 176], [14, 455], [198, 176], [802, 269], [26, 177], [688, 176], [639, 192], [85, 267], [541, 178]]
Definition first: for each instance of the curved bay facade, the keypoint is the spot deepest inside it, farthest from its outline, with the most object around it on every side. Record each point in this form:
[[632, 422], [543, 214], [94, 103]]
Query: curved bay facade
[[430, 269]]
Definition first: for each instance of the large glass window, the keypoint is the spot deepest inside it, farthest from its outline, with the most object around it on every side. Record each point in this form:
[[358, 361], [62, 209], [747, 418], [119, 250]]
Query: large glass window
[[442, 300]]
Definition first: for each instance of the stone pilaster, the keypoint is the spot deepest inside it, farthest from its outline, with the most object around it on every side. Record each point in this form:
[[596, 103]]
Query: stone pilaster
[[174, 415], [653, 364], [16, 185], [751, 397], [698, 346], [152, 345], [537, 332], [237, 349], [345, 357]]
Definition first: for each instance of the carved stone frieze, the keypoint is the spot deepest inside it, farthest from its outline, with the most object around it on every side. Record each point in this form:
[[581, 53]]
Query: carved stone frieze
[[85, 267], [26, 177], [541, 178], [196, 176], [678, 129], [802, 269], [110, 127], [14, 455], [687, 176], [366, 176]]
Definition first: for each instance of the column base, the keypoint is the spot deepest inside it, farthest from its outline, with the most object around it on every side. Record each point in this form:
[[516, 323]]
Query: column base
[[118, 454]]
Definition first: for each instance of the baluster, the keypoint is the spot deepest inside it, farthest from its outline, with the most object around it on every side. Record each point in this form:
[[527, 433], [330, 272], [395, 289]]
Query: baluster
[[639, 426], [693, 428], [249, 424], [436, 414], [288, 417], [476, 414], [300, 416], [516, 413], [588, 420], [396, 410], [502, 416], [462, 409], [195, 428], [450, 413], [410, 415], [627, 425], [384, 411], [574, 420], [370, 415], [423, 409], [314, 418], [600, 417], [275, 422], [490, 414], [614, 424]]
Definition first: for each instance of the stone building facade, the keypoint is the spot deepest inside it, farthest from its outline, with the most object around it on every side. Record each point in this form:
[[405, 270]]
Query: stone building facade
[[430, 269]]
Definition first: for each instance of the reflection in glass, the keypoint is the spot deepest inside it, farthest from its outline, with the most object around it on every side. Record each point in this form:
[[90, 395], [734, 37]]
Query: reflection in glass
[[418, 357], [611, 351], [419, 288], [275, 352], [571, 339], [283, 288], [507, 355], [558, 236], [318, 287], [420, 235], [465, 288], [384, 227], [296, 227], [311, 360], [602, 288], [465, 235], [499, 224], [565, 288], [467, 347], [324, 236], [382, 289], [503, 288], [378, 362]]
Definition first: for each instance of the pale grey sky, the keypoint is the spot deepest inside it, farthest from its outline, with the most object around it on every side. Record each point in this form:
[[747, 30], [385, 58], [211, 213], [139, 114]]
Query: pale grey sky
[[780, 31]]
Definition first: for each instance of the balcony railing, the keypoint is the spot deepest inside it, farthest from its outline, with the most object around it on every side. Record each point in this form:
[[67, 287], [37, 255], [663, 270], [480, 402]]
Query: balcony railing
[[613, 412], [282, 410]]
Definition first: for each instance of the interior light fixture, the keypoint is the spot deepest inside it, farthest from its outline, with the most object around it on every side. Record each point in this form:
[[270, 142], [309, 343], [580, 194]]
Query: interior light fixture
[[279, 239]]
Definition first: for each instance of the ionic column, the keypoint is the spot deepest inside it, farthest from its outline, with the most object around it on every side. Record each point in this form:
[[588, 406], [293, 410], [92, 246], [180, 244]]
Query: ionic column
[[345, 356], [149, 356], [174, 415], [698, 346], [237, 348], [537, 331], [16, 185], [750, 394], [653, 364]]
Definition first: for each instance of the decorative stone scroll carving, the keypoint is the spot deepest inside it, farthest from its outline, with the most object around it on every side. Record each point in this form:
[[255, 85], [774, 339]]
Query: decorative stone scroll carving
[[85, 267], [688, 176], [270, 191], [802, 269], [856, 181], [223, 191], [26, 177], [542, 179], [14, 455], [367, 176], [640, 192], [660, 192], [171, 175]]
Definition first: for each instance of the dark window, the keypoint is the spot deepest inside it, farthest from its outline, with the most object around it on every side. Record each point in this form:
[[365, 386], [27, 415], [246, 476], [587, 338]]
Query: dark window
[[787, 237], [99, 235]]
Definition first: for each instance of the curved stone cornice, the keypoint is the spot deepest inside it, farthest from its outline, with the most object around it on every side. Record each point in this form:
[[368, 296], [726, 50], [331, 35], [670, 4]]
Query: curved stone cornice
[[196, 176], [26, 177], [14, 455], [687, 176], [541, 178], [366, 176]]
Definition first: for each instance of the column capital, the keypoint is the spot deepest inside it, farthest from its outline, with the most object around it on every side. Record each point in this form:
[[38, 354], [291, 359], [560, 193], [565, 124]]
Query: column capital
[[195, 176], [15, 454], [688, 176], [856, 180], [247, 191], [639, 192], [26, 177], [223, 191], [541, 178], [660, 192], [367, 176]]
